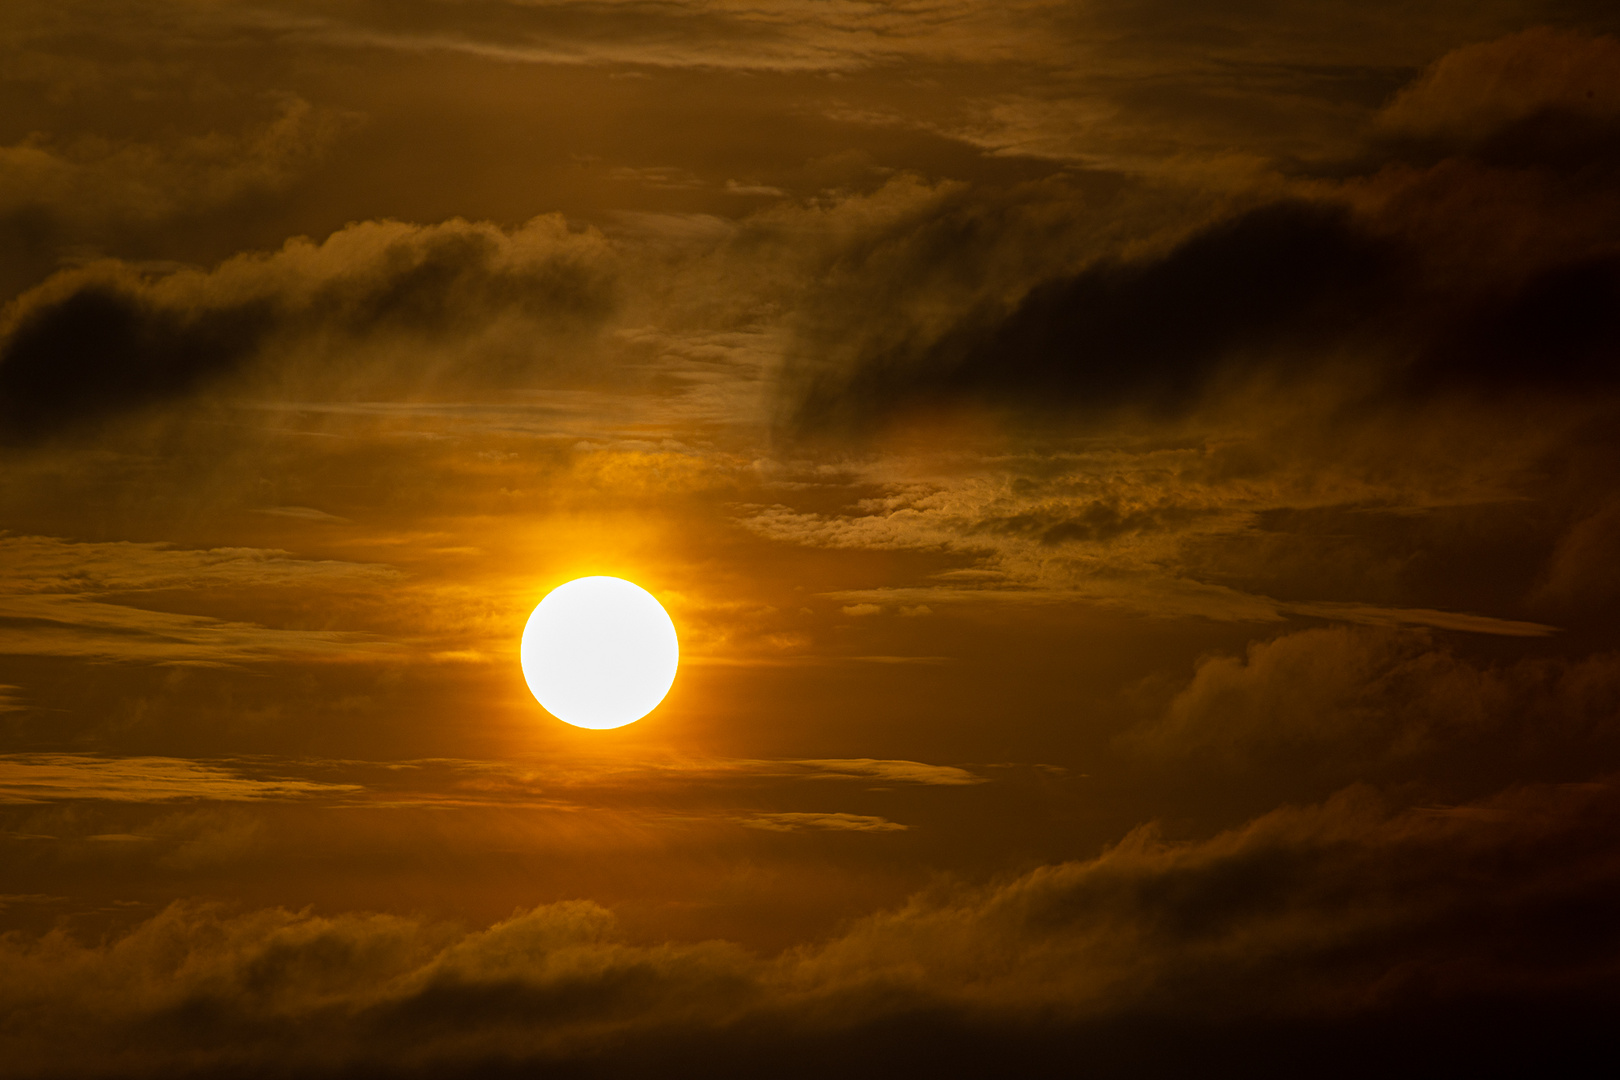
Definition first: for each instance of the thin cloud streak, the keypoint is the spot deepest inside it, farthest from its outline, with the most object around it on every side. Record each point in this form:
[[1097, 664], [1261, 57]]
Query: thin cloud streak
[[42, 778], [794, 822]]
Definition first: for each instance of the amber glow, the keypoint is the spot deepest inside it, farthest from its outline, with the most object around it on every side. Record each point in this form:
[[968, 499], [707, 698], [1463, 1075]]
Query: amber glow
[[599, 652], [1039, 534]]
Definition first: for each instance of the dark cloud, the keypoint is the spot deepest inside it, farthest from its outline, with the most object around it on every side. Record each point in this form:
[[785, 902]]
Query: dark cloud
[[1329, 705], [91, 344], [1102, 521], [1303, 924], [1146, 333], [1151, 333], [1255, 471], [1473, 254], [1534, 85], [1560, 330], [31, 237], [1282, 292], [102, 350]]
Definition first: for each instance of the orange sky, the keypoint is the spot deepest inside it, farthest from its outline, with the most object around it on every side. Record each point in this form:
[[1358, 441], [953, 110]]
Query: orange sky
[[1134, 482]]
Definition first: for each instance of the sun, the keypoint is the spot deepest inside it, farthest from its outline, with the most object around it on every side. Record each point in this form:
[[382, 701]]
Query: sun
[[599, 652]]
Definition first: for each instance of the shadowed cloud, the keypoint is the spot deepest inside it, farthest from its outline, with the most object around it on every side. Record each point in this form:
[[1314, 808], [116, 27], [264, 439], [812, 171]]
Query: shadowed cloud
[[1212, 402], [105, 340], [1302, 917], [1149, 334]]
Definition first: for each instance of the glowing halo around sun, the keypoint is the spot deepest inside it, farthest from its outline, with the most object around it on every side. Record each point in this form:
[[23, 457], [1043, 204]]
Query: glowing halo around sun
[[599, 652]]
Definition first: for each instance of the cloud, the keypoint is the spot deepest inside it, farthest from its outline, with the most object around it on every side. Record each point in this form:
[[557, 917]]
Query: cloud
[[1241, 360], [1422, 270], [1477, 91], [1557, 331], [1150, 333], [910, 772], [70, 626], [1580, 571], [99, 350], [65, 194], [134, 180], [1323, 918], [890, 659], [56, 600], [1379, 702], [795, 822], [1440, 620], [1163, 531], [93, 343], [303, 513], [1327, 365], [500, 780], [1276, 296], [40, 778], [787, 37], [644, 786]]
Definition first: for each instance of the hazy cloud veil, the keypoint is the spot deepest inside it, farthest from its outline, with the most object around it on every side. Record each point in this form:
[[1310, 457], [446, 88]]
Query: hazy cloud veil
[[1135, 482]]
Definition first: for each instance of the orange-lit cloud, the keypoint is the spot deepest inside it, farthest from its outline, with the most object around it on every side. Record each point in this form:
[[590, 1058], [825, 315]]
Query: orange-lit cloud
[[1134, 483], [1149, 929]]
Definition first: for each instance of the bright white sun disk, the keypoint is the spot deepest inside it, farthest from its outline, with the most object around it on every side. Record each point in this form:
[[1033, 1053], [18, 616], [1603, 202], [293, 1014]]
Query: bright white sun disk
[[599, 652]]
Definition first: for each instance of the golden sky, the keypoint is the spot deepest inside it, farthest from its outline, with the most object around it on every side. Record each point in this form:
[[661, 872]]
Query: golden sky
[[1135, 482]]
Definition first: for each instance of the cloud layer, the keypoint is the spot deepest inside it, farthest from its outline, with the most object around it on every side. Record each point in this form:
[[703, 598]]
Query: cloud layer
[[103, 340], [1303, 920], [1134, 483]]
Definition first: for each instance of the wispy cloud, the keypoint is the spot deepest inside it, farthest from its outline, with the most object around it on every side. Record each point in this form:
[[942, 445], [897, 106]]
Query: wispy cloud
[[1441, 620], [903, 772], [303, 513], [1186, 598], [1150, 532], [57, 599], [49, 565], [70, 626], [13, 899], [500, 780], [788, 822], [439, 783], [41, 778], [786, 37]]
